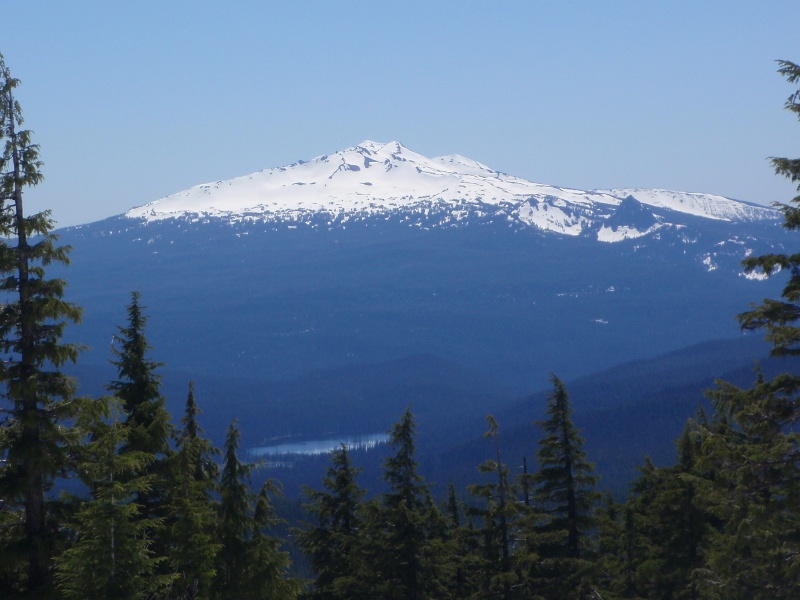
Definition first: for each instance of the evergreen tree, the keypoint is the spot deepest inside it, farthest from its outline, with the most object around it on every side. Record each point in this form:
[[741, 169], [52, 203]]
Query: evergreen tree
[[234, 517], [667, 528], [779, 317], [403, 507], [139, 386], [564, 495], [750, 450], [112, 556], [464, 549], [439, 559], [13, 561], [37, 396], [201, 450], [498, 509], [268, 573], [331, 542], [401, 562], [191, 515], [752, 446], [615, 552], [250, 564], [150, 431]]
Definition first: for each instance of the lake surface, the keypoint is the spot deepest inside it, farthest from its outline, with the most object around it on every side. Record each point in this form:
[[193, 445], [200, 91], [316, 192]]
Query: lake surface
[[315, 447]]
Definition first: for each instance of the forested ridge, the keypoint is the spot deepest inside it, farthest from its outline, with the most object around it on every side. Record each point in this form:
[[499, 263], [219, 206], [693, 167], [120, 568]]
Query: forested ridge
[[154, 510]]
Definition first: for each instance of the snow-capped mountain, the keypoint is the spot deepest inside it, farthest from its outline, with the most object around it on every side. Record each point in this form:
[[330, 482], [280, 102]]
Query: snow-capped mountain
[[377, 252], [388, 180]]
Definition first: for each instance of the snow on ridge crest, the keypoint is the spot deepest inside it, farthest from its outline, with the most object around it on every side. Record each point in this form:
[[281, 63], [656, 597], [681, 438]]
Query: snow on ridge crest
[[375, 178], [710, 206]]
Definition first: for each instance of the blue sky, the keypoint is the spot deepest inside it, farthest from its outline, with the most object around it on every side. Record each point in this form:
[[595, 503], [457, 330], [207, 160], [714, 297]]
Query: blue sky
[[132, 101]]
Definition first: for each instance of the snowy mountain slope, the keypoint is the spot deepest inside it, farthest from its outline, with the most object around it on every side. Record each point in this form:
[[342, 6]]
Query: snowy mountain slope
[[709, 206], [384, 180]]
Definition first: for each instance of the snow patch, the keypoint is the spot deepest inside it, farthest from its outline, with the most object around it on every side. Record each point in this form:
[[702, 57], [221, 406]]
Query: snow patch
[[759, 275], [550, 217], [709, 263], [618, 234]]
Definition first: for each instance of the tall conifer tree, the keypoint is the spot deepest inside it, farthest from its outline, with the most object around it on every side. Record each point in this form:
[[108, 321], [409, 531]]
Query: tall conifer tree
[[234, 517], [32, 319], [268, 572], [190, 540], [752, 447], [112, 556], [667, 528], [139, 386], [250, 564], [331, 542], [402, 561], [499, 507], [564, 494], [147, 419], [403, 508]]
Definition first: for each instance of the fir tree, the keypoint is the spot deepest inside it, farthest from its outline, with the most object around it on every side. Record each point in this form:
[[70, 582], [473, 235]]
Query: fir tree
[[464, 550], [331, 543], [751, 449], [401, 562], [400, 568], [779, 317], [665, 532], [33, 316], [497, 512], [439, 559], [268, 573], [202, 452], [139, 385], [150, 431], [615, 550], [234, 517], [250, 564], [112, 556], [564, 495], [191, 516]]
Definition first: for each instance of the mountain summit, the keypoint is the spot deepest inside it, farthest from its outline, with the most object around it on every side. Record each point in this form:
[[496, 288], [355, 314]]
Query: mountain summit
[[387, 179]]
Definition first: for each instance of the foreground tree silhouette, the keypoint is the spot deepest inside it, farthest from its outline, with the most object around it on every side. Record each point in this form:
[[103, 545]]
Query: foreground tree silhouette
[[149, 429], [191, 511], [112, 556], [406, 558], [564, 495], [667, 527], [139, 388], [250, 564], [498, 511], [332, 542], [37, 395], [752, 446]]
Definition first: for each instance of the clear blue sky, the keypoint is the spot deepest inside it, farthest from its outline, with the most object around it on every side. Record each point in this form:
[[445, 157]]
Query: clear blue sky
[[132, 101]]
